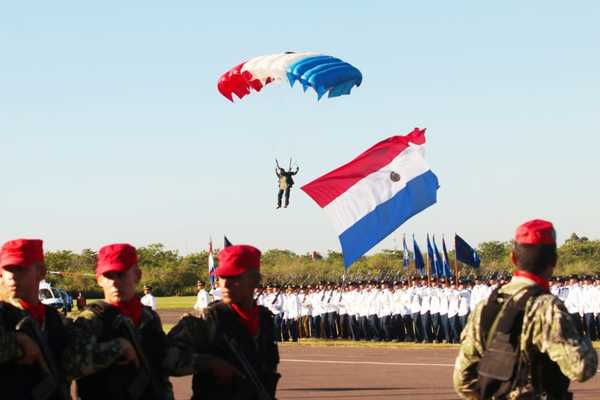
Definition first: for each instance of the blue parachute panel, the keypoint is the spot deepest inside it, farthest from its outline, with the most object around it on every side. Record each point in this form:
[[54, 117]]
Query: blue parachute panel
[[325, 74]]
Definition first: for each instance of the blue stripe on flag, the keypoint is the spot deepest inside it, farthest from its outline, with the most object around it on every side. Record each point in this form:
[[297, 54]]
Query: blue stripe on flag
[[418, 194]]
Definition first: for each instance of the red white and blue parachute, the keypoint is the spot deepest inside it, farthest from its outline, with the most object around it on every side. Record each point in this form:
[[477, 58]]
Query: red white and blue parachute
[[325, 74]]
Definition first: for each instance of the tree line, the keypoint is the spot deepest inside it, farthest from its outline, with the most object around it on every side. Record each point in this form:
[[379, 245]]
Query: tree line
[[172, 274]]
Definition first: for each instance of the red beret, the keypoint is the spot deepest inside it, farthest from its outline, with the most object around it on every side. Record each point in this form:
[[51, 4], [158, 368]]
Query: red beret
[[536, 231], [237, 259], [118, 257], [21, 252]]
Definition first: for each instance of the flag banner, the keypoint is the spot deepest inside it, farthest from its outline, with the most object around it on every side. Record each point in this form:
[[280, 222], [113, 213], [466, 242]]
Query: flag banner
[[447, 269], [465, 253], [419, 262], [372, 195], [431, 258], [211, 265], [405, 254], [437, 260]]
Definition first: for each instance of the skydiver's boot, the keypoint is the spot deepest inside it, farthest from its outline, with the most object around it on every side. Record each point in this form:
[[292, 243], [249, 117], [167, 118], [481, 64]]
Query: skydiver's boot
[[285, 205], [278, 206]]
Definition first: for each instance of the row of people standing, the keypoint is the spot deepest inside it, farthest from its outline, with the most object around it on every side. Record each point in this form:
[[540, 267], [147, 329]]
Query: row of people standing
[[581, 295], [117, 349], [419, 310]]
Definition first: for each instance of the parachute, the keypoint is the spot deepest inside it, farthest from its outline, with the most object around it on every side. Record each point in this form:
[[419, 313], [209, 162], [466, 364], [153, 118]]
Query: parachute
[[325, 74]]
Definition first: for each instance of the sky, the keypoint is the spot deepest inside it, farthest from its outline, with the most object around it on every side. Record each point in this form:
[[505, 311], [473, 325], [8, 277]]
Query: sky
[[112, 130]]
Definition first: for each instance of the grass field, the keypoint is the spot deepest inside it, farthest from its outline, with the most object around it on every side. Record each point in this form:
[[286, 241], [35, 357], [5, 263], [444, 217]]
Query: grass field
[[173, 302]]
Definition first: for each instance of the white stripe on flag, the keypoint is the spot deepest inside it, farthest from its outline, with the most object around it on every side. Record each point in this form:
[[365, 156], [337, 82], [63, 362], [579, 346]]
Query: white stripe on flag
[[364, 196]]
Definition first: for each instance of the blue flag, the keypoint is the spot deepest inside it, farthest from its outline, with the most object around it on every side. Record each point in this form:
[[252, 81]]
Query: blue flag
[[465, 253], [419, 262], [447, 269], [437, 260], [430, 258], [405, 254]]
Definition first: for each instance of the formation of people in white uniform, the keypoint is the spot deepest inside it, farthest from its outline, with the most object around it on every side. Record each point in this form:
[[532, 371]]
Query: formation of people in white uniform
[[411, 310], [581, 295], [415, 310]]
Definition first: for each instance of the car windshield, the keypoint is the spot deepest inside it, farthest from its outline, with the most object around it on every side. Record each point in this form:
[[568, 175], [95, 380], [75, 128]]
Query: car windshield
[[45, 294]]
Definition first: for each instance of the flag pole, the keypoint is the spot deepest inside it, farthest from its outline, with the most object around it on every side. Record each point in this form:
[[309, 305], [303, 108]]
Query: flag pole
[[428, 266], [456, 266]]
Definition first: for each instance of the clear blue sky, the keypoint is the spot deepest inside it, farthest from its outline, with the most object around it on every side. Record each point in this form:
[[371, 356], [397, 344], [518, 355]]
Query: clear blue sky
[[111, 127]]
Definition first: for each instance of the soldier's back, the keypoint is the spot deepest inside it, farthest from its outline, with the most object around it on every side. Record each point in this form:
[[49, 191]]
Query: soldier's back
[[548, 340]]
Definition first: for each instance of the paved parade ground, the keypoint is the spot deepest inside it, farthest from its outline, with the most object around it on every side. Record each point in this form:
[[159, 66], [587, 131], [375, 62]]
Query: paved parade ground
[[364, 371], [331, 372]]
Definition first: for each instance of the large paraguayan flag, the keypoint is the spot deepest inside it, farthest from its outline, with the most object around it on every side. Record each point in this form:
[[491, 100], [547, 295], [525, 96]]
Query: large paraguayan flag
[[465, 253], [419, 262], [372, 195]]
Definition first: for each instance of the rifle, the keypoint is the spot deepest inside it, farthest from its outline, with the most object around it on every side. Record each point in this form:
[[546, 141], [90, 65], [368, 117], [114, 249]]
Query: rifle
[[260, 292], [276, 296], [247, 369], [51, 382], [144, 377]]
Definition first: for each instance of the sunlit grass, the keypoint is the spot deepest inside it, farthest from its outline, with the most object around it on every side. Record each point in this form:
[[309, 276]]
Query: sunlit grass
[[173, 302]]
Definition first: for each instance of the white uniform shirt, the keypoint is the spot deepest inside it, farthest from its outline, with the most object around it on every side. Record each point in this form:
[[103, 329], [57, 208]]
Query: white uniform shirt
[[291, 306], [425, 300], [434, 302], [305, 305], [385, 301], [415, 301], [463, 302], [443, 296], [453, 300], [317, 304], [373, 302], [573, 302], [202, 300], [149, 301], [589, 295]]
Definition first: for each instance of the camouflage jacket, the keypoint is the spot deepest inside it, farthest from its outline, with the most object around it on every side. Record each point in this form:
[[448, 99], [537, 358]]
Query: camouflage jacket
[[547, 328], [91, 356], [9, 350], [197, 340], [81, 356]]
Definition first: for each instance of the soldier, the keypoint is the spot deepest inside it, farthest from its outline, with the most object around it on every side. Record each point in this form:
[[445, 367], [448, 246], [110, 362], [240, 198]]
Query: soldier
[[230, 347], [121, 317], [285, 184], [291, 314], [547, 352], [149, 300], [36, 356], [202, 298], [33, 337]]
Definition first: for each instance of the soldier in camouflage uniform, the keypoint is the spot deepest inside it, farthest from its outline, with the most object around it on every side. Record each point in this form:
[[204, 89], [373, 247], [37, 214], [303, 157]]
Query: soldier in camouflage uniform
[[549, 350], [230, 346], [285, 184], [121, 318], [36, 342]]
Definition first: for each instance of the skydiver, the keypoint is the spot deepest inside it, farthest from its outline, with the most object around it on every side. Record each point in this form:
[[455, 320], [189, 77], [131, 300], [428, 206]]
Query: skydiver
[[285, 183]]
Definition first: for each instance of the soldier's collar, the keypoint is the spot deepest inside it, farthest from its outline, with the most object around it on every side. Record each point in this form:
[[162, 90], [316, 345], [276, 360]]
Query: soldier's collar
[[543, 282]]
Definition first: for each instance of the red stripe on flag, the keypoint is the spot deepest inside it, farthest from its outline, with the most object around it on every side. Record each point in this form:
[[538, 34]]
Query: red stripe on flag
[[328, 187]]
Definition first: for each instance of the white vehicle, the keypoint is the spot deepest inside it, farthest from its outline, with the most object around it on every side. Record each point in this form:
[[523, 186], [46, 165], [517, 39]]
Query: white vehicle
[[50, 296]]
